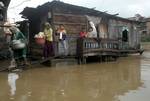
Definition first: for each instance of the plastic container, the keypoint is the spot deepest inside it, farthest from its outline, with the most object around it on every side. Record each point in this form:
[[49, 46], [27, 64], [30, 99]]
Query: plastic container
[[18, 44], [40, 41]]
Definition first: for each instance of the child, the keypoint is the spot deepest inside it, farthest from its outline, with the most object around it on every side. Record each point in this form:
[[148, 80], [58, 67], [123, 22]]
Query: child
[[62, 37], [83, 33]]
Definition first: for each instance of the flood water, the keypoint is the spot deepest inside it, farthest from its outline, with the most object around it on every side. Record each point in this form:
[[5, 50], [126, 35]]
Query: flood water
[[127, 79]]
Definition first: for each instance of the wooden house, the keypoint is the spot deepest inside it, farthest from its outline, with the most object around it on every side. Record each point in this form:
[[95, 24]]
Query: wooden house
[[115, 35]]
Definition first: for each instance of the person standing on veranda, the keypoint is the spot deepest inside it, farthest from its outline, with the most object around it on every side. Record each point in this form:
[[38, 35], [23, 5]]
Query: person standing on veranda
[[48, 50], [62, 38]]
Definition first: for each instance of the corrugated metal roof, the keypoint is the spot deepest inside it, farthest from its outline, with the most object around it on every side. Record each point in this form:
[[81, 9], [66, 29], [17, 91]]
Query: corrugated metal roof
[[82, 10]]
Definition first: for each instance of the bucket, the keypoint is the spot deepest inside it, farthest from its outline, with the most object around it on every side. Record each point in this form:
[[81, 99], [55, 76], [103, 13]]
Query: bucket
[[40, 41], [17, 44]]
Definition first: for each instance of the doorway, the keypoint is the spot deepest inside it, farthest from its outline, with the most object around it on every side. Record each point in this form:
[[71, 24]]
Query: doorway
[[125, 35]]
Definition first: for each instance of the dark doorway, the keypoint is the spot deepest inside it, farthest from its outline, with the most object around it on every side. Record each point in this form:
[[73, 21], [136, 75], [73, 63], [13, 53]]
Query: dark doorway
[[125, 35]]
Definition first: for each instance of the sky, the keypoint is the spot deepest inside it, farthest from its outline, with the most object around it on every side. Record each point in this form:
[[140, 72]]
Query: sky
[[125, 8]]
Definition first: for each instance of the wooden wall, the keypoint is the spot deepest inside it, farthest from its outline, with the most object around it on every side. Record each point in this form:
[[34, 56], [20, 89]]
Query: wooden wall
[[116, 28], [73, 24]]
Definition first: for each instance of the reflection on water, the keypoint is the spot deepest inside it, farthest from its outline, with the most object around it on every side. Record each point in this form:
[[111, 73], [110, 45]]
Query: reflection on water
[[12, 77], [142, 93], [93, 82]]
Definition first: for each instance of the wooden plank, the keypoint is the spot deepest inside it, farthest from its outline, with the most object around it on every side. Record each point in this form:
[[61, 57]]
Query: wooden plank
[[67, 23], [73, 23], [100, 54], [69, 19], [63, 14], [72, 28], [101, 50], [132, 51]]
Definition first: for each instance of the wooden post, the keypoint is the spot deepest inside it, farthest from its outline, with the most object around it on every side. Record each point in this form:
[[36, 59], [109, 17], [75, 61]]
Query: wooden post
[[84, 60]]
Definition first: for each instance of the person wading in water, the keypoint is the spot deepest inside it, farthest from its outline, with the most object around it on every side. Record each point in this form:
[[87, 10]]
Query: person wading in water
[[18, 47]]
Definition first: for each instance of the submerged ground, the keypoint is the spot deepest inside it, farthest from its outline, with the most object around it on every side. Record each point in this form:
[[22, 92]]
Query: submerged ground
[[127, 79]]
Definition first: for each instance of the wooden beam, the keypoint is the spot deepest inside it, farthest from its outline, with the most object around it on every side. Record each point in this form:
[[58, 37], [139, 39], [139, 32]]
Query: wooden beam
[[66, 23], [60, 14]]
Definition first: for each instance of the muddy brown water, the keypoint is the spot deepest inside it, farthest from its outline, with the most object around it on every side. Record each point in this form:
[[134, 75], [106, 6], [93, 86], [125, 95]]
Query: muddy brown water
[[127, 79]]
